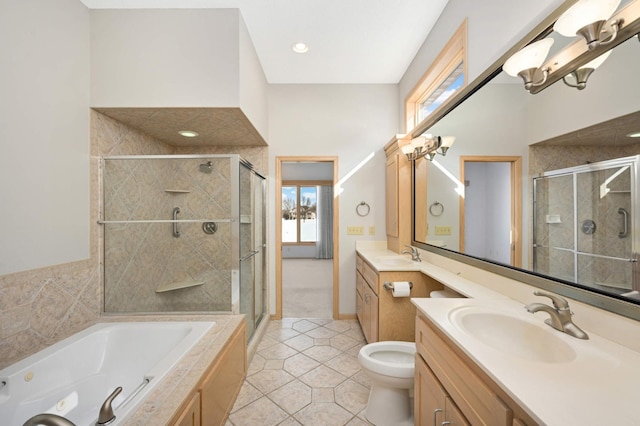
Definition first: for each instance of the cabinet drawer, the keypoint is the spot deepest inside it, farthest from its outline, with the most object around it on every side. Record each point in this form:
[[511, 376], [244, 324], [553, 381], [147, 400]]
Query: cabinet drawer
[[359, 263], [371, 276], [479, 404]]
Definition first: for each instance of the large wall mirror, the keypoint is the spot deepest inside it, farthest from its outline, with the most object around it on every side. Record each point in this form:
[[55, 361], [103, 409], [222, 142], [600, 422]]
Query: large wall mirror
[[542, 187]]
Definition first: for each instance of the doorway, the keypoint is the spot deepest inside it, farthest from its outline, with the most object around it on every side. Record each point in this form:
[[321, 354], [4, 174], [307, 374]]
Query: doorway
[[306, 237], [493, 192]]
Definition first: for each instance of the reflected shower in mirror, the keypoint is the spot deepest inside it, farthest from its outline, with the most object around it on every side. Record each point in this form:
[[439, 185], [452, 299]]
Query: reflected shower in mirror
[[506, 137]]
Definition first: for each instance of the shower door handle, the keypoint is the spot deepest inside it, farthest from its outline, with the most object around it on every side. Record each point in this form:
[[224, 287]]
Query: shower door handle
[[625, 223], [176, 231]]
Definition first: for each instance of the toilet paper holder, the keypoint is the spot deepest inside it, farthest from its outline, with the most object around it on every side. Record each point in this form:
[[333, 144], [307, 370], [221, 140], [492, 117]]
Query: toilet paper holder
[[389, 285]]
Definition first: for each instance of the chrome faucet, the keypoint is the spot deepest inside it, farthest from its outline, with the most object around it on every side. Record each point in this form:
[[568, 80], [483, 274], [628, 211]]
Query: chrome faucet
[[415, 254], [48, 419], [560, 314], [106, 411]]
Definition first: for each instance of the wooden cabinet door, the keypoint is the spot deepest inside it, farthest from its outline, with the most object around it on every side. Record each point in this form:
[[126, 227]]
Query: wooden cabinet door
[[190, 416], [372, 306], [360, 284], [391, 191], [453, 416], [429, 396]]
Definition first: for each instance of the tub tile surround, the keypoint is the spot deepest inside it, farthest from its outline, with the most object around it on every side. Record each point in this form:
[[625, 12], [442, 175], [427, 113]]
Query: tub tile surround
[[305, 372], [42, 306]]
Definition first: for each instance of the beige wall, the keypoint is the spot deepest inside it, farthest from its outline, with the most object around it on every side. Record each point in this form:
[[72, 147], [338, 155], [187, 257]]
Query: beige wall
[[352, 122], [176, 58], [44, 168]]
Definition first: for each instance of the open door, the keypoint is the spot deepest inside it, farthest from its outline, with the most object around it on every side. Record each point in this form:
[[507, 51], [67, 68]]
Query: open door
[[306, 235], [492, 227]]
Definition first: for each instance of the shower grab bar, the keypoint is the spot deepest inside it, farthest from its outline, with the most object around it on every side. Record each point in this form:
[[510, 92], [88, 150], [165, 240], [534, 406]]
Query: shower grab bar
[[600, 256], [176, 231], [108, 222], [625, 223], [253, 253]]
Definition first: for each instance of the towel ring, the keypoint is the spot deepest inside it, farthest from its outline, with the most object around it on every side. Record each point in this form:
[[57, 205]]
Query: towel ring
[[364, 205], [436, 209]]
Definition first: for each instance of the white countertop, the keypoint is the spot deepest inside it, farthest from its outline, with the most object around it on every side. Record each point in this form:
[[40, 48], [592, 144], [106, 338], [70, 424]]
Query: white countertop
[[598, 384]]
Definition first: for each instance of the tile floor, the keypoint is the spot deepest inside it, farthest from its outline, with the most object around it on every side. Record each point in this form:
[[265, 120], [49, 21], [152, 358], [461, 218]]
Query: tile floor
[[305, 372]]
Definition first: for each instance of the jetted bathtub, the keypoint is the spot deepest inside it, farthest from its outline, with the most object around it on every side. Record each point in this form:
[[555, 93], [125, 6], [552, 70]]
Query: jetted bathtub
[[73, 377]]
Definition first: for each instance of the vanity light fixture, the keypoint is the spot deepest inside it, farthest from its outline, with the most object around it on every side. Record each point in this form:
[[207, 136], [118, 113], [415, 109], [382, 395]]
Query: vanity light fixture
[[188, 133], [427, 146], [581, 75], [300, 47], [587, 18], [526, 62]]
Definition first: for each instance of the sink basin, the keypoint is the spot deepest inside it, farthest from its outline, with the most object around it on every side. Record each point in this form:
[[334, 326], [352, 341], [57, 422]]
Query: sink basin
[[509, 334], [393, 260]]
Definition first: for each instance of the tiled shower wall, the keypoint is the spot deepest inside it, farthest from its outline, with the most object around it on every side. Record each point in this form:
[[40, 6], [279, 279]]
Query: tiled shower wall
[[558, 192], [42, 306], [140, 257]]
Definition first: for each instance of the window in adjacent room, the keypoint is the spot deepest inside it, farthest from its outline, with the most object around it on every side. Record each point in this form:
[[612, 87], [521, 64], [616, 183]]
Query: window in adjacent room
[[444, 78], [299, 213]]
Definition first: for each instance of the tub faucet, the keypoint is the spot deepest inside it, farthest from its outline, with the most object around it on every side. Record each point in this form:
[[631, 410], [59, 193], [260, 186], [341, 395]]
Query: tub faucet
[[415, 254], [560, 315], [106, 411], [48, 419]]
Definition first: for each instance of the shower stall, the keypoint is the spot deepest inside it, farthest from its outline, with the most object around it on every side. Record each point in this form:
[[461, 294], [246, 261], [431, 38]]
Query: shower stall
[[184, 233], [585, 222]]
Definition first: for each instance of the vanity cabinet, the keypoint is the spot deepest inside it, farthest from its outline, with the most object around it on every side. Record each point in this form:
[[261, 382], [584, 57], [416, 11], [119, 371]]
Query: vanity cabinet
[[367, 300], [398, 195], [382, 316], [432, 401], [211, 402], [447, 380]]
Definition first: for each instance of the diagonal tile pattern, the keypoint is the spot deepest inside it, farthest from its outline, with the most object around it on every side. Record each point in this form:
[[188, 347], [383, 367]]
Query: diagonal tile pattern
[[305, 372]]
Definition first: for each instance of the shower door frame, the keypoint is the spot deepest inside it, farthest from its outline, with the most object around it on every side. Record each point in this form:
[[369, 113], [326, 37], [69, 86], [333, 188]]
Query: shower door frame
[[633, 162]]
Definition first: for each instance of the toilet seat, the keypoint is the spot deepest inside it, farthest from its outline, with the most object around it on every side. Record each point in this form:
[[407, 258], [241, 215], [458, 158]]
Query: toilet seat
[[391, 358]]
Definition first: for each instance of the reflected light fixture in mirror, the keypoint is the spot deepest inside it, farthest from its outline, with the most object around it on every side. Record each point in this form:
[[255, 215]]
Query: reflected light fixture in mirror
[[581, 75], [587, 18], [526, 62], [427, 146]]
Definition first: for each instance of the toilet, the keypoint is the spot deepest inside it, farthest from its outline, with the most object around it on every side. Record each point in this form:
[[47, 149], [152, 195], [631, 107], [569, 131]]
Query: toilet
[[390, 366]]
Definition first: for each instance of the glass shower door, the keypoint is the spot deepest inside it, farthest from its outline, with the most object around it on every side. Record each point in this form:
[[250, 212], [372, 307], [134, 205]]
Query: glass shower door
[[252, 245], [584, 223], [604, 233], [554, 224]]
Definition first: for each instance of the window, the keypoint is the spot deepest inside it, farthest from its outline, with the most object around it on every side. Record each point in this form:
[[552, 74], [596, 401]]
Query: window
[[444, 78], [299, 210]]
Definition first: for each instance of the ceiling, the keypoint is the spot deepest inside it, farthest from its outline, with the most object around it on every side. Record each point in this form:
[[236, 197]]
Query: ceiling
[[215, 126], [350, 41], [613, 132]]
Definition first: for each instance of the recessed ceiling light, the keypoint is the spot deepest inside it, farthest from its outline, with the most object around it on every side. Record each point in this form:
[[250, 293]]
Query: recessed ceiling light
[[300, 47], [188, 133], [634, 135]]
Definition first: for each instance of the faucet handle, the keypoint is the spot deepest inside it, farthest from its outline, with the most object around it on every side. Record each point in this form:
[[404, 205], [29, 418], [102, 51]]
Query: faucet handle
[[559, 303], [106, 411]]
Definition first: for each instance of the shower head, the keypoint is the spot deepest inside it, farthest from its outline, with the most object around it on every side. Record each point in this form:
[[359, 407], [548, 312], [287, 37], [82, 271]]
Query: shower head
[[206, 167]]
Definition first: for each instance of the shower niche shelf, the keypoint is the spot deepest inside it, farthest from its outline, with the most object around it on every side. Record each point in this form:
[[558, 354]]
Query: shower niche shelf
[[177, 191], [176, 286]]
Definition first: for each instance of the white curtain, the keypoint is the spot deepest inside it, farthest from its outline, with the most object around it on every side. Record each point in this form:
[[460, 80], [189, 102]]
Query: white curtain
[[324, 223]]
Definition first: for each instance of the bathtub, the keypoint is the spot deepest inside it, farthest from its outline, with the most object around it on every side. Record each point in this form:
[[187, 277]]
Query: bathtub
[[73, 377]]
